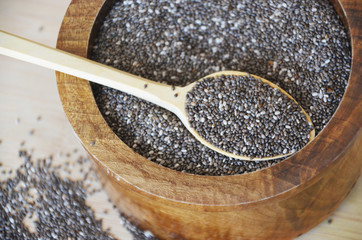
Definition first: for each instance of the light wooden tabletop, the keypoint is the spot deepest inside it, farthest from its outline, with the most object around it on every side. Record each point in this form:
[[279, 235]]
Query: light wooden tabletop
[[28, 91]]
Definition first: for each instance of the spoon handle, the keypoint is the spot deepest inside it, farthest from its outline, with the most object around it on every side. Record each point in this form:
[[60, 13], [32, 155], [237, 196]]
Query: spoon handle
[[36, 53]]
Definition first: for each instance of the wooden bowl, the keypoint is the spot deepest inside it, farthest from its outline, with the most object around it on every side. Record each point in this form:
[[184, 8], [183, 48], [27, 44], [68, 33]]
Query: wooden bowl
[[281, 202]]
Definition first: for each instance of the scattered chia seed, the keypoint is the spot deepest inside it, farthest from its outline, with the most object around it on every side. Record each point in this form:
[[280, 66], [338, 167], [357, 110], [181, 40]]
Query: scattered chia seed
[[244, 116], [301, 46], [38, 201], [56, 206], [137, 233]]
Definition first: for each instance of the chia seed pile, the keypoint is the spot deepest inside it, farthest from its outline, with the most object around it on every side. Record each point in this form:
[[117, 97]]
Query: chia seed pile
[[300, 45], [56, 205], [244, 116]]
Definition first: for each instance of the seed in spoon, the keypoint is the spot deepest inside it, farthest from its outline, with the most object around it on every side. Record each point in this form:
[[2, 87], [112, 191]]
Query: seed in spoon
[[244, 116]]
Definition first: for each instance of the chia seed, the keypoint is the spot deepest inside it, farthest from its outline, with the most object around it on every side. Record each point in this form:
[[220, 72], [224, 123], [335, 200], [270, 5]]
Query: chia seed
[[228, 111], [299, 45], [56, 206]]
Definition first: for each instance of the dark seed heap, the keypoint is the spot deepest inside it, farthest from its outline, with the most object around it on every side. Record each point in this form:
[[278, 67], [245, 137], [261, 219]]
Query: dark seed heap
[[56, 206], [300, 45], [247, 117]]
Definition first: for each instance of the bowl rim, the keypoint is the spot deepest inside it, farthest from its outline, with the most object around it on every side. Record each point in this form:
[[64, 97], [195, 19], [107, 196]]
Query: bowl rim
[[153, 180]]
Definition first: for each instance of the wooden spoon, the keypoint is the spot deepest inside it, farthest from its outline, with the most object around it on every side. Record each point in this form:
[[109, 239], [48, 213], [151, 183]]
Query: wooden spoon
[[166, 96]]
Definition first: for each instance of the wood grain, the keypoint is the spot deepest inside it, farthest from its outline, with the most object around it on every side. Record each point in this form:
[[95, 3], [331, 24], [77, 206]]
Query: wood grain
[[281, 202]]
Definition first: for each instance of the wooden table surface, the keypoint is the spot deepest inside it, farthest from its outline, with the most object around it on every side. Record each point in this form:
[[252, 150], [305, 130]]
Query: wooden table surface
[[28, 91]]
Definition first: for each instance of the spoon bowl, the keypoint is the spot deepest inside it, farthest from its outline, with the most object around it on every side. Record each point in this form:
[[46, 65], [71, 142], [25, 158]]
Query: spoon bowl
[[169, 97], [183, 115]]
